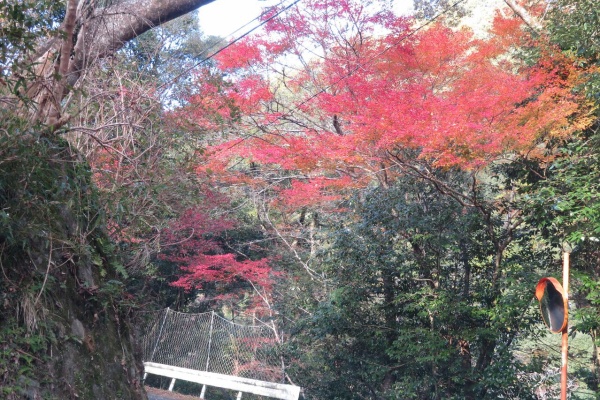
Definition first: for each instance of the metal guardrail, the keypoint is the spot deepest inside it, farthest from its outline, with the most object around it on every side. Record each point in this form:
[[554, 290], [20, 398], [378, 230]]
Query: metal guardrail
[[236, 383]]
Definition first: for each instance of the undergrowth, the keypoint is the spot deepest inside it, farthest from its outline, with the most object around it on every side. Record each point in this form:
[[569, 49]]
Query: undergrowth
[[56, 260]]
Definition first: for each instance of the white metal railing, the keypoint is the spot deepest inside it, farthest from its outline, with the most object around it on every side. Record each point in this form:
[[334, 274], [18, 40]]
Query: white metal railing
[[236, 383]]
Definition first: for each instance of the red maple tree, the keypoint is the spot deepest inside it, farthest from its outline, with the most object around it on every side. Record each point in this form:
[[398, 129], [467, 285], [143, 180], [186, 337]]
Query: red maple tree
[[194, 242], [368, 91]]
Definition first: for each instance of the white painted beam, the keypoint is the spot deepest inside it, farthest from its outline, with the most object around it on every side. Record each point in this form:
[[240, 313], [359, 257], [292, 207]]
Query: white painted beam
[[261, 388]]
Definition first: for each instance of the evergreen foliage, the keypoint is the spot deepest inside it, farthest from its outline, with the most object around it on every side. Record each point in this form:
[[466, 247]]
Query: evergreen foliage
[[411, 311], [60, 279]]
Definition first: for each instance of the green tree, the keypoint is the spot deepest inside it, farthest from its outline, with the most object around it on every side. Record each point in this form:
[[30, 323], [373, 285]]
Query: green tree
[[412, 311], [564, 195]]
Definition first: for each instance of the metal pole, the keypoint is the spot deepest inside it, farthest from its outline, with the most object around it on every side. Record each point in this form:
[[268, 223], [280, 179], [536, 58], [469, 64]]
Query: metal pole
[[212, 318], [565, 332], [159, 335]]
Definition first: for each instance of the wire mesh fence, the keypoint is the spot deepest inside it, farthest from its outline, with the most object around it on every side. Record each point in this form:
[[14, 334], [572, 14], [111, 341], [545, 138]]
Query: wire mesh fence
[[208, 342]]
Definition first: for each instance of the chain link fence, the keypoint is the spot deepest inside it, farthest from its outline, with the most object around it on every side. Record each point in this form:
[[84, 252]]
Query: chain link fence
[[208, 342]]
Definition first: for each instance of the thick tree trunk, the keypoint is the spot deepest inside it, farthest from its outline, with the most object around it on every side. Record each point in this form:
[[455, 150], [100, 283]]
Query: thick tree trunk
[[106, 30], [91, 32]]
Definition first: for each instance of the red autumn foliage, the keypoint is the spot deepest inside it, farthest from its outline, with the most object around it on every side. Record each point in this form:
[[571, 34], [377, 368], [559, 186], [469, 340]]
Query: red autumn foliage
[[193, 243], [241, 54], [223, 268], [374, 88]]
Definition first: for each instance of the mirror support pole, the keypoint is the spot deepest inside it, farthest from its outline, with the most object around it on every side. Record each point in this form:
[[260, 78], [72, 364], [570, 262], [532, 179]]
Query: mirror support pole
[[565, 331]]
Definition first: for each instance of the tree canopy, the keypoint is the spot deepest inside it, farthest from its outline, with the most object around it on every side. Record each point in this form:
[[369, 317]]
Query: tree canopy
[[382, 191]]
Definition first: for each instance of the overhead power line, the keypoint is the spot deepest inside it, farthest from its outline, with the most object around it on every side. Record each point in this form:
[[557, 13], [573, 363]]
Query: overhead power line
[[232, 42], [376, 56], [354, 70]]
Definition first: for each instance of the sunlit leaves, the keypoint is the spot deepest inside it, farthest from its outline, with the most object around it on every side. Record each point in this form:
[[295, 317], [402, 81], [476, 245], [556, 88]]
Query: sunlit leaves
[[195, 243], [366, 85], [242, 54]]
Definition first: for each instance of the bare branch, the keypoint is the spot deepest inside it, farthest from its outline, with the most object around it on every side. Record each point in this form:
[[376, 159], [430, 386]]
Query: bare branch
[[531, 22], [107, 30]]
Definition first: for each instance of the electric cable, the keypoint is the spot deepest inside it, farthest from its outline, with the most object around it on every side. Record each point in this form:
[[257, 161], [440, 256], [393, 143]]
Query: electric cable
[[353, 71], [373, 58], [232, 42]]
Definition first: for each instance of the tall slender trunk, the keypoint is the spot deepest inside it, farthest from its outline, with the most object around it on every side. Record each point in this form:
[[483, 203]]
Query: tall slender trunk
[[464, 255], [595, 367]]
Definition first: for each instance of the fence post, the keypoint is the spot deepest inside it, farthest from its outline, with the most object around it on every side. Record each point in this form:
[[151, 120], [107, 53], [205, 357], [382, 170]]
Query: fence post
[[212, 319], [159, 335], [172, 384]]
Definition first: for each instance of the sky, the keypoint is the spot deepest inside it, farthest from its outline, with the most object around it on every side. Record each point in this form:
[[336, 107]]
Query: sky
[[223, 17]]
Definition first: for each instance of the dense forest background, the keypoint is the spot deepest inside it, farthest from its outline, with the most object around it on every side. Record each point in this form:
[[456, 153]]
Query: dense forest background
[[384, 191]]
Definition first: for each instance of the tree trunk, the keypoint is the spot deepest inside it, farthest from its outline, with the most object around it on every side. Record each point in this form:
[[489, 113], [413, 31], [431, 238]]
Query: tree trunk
[[91, 32], [594, 384]]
